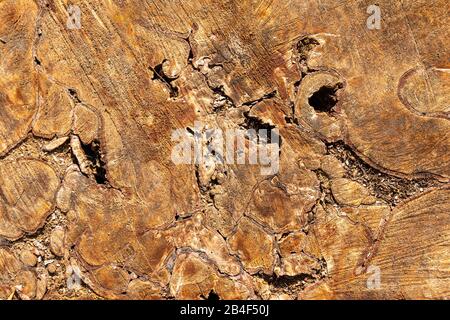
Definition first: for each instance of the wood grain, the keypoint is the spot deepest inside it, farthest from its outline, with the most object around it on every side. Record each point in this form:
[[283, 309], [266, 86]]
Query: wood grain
[[86, 122]]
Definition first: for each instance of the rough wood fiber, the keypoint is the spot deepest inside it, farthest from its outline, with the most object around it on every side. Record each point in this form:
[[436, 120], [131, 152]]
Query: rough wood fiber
[[92, 205]]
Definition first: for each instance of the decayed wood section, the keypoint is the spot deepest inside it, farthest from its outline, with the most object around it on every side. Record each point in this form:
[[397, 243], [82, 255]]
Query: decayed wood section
[[89, 193]]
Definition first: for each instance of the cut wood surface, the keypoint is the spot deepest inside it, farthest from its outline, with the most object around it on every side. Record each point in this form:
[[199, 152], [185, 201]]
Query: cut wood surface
[[93, 205]]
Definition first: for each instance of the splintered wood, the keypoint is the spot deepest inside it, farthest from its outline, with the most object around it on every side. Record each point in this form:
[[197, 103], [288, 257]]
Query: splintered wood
[[354, 205]]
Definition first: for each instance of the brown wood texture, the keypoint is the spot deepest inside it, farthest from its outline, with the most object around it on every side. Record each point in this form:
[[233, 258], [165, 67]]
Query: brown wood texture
[[89, 192]]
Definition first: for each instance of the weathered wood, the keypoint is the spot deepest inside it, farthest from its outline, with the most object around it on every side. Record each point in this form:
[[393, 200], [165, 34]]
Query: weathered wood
[[357, 208]]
